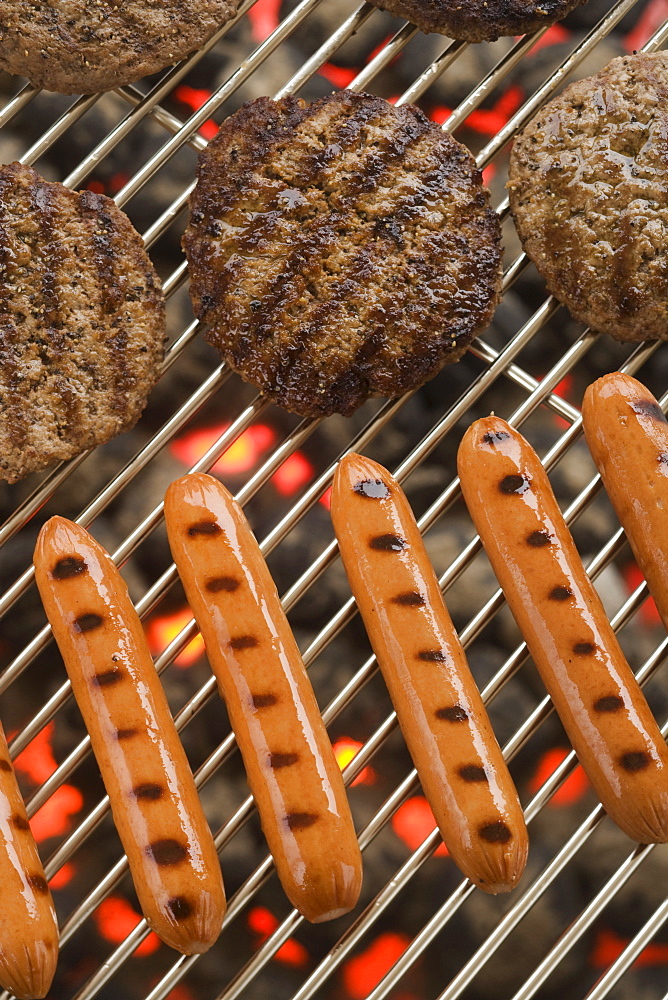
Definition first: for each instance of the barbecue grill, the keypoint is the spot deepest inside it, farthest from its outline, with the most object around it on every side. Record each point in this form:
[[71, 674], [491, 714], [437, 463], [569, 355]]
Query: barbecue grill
[[588, 919]]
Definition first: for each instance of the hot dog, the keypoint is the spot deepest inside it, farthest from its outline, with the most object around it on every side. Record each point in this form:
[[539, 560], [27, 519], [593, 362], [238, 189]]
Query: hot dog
[[154, 801], [627, 435], [290, 765], [28, 927], [439, 708], [565, 627]]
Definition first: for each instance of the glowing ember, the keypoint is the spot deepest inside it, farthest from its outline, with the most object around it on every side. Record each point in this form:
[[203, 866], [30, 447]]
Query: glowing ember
[[487, 121], [556, 35], [608, 946], [414, 821], [115, 919], [326, 498], [162, 630], [650, 19], [240, 457], [264, 17], [633, 577], [345, 750], [263, 923], [63, 876], [574, 787], [362, 973], [294, 473], [55, 817], [339, 76], [37, 760], [194, 99]]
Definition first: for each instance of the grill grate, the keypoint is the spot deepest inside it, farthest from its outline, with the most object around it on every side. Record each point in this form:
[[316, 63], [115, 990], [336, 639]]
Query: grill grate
[[414, 905]]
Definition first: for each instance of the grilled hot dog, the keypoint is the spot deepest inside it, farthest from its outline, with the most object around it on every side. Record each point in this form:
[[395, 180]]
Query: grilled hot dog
[[291, 769], [565, 627], [28, 928], [627, 435], [440, 711], [154, 801]]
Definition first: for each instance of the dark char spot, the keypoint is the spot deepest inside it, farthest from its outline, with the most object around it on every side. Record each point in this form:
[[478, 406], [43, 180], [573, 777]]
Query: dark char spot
[[86, 623], [107, 677], [5, 765], [432, 655], [584, 648], [283, 759], [473, 772], [649, 408], [560, 593], [243, 642], [68, 566], [20, 822], [149, 790], [495, 833], [374, 489], [204, 528], [537, 539], [167, 852], [264, 700], [299, 821], [180, 907], [609, 703], [514, 484], [38, 883], [222, 583], [635, 760], [126, 734], [453, 714], [388, 543], [411, 598], [493, 437]]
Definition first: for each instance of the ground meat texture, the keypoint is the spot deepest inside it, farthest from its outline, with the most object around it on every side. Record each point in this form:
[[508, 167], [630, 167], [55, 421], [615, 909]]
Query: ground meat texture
[[87, 46], [340, 249], [480, 20], [82, 322], [589, 195]]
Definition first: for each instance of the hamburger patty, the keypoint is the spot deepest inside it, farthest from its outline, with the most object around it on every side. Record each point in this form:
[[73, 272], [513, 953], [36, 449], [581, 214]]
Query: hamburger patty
[[589, 195], [340, 249], [79, 47], [82, 323], [480, 20]]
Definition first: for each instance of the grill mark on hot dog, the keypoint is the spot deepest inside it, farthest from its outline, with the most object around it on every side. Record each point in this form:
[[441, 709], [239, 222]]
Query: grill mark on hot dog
[[106, 677], [454, 713], [514, 483], [634, 760], [180, 907], [584, 648], [388, 543], [300, 821], [473, 772], [149, 790], [432, 655], [560, 593], [38, 883], [5, 765], [126, 734], [277, 760], [222, 583], [264, 700], [609, 703], [649, 408], [493, 437], [88, 622], [167, 851], [243, 642], [204, 528], [373, 489], [537, 539], [68, 566], [495, 833], [411, 598], [20, 822]]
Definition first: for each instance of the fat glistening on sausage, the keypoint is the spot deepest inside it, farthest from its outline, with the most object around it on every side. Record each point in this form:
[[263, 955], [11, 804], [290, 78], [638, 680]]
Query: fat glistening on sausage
[[627, 435], [561, 617], [289, 761], [439, 708], [154, 801]]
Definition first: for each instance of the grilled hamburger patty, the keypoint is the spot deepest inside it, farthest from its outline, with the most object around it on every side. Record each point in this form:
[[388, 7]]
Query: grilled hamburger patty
[[86, 46], [340, 249], [82, 323], [589, 195], [480, 20]]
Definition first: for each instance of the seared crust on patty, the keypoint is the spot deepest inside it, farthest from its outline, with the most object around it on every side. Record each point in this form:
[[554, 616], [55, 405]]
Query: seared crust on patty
[[340, 250], [589, 195], [82, 322], [87, 46], [480, 20]]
